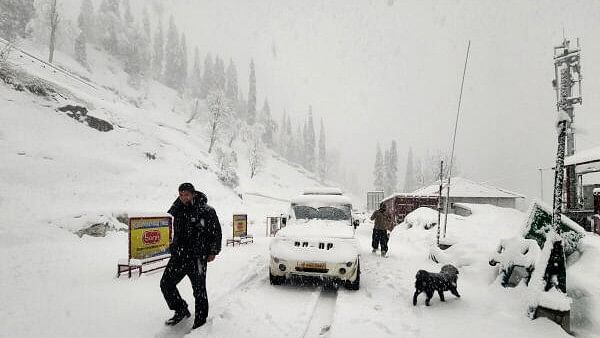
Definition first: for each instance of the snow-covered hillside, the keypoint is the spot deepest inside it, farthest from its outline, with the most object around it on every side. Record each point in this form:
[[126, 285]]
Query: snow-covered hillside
[[56, 167]]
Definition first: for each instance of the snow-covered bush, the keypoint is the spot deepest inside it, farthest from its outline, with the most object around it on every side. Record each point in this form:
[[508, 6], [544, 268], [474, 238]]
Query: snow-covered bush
[[227, 173]]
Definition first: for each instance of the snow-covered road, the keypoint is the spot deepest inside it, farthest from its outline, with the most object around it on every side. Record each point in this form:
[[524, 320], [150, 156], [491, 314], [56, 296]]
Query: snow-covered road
[[48, 290]]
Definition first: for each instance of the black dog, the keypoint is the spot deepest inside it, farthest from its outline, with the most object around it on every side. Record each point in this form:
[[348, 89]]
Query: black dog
[[440, 282]]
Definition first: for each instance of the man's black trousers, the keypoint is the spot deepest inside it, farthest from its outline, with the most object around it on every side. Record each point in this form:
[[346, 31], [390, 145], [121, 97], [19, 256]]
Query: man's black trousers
[[380, 236], [177, 268]]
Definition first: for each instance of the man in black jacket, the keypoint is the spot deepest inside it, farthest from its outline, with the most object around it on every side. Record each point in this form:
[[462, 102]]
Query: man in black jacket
[[196, 241]]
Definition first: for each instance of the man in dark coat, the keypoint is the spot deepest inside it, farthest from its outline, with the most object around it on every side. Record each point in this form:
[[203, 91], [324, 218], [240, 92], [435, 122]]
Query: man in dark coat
[[382, 225], [196, 241]]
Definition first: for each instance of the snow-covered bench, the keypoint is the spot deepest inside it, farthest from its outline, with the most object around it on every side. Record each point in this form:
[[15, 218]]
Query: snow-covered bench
[[141, 265]]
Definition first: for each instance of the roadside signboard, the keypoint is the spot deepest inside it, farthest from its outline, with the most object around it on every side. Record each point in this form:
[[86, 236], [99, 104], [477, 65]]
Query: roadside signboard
[[149, 236], [240, 225]]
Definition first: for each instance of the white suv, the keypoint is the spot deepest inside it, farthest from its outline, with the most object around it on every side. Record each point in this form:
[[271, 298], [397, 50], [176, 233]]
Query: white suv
[[318, 240]]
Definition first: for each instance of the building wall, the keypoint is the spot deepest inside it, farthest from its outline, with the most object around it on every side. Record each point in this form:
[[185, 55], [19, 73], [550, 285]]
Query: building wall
[[498, 201]]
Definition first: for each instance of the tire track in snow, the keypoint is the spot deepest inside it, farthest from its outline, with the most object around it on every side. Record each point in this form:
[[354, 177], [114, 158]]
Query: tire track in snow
[[321, 314]]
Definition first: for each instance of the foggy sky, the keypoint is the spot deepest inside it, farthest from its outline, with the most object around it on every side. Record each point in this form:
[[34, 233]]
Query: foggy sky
[[382, 70]]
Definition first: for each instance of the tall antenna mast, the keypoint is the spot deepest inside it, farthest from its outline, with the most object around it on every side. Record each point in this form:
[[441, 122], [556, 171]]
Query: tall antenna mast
[[567, 70], [454, 138]]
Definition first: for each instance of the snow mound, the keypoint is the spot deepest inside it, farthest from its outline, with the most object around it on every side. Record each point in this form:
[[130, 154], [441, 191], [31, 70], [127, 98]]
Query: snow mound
[[423, 217], [516, 251]]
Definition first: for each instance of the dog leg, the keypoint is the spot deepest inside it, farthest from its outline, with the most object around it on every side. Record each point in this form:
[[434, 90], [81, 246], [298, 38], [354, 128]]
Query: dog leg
[[429, 296], [417, 292], [455, 292], [441, 293]]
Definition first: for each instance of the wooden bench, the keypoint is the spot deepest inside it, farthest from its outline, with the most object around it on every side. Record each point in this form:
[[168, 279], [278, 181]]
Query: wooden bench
[[151, 264], [239, 240]]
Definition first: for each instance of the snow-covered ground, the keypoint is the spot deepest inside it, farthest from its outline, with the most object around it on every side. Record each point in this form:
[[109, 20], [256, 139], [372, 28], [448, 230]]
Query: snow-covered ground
[[66, 288], [58, 175]]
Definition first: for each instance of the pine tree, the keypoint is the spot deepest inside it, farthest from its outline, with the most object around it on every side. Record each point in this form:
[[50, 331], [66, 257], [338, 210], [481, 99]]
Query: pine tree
[[322, 153], [231, 86], [134, 57], [419, 177], [303, 146], [208, 77], [127, 17], [269, 125], [241, 106], [14, 17], [409, 180], [86, 21], [146, 23], [251, 116], [281, 137], [109, 19], [386, 178], [80, 49], [298, 144], [310, 142], [54, 20], [157, 57], [219, 73], [196, 75], [182, 65], [86, 31], [378, 172], [289, 139], [391, 169], [172, 56]]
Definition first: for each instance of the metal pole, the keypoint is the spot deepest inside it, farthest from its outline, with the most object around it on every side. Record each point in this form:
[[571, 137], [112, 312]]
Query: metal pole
[[439, 222], [454, 137]]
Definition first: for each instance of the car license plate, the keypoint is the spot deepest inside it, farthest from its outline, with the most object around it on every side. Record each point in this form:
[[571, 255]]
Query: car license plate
[[312, 265]]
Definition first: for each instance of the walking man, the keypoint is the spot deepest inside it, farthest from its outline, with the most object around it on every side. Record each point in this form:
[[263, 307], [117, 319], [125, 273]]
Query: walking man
[[196, 241], [383, 224]]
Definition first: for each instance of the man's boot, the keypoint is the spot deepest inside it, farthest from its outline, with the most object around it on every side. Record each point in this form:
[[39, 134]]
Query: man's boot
[[179, 316], [198, 322]]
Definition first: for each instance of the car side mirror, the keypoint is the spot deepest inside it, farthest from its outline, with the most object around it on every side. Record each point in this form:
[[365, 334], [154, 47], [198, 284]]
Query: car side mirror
[[356, 223]]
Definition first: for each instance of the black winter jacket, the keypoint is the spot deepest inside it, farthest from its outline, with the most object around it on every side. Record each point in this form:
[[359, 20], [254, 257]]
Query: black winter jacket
[[197, 231]]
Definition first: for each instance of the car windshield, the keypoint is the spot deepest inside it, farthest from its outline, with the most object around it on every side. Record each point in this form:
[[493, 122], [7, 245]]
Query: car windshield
[[334, 213]]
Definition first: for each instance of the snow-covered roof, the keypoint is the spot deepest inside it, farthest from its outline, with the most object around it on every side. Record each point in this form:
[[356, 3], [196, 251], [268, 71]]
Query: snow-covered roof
[[585, 156], [322, 191], [462, 187], [321, 200]]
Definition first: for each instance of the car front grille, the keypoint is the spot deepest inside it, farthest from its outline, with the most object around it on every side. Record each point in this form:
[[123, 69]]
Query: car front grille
[[317, 270]]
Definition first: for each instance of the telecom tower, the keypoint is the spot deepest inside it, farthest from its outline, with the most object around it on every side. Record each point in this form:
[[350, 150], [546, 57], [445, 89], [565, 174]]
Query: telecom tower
[[567, 73], [567, 76]]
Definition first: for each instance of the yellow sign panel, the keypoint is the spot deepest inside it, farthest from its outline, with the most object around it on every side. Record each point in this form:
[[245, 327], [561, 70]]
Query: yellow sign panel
[[240, 225], [149, 236]]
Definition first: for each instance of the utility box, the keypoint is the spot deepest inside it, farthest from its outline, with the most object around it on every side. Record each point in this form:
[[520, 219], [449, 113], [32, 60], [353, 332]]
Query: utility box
[[275, 223]]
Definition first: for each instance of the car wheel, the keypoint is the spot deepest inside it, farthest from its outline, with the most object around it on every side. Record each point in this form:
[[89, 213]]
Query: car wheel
[[276, 280], [354, 285]]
